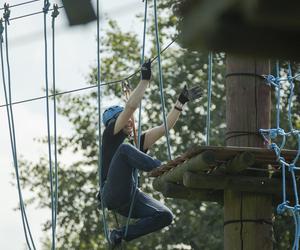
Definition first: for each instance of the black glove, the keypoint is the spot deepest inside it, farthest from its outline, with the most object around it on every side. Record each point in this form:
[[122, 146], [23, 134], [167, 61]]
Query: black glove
[[146, 70], [189, 94]]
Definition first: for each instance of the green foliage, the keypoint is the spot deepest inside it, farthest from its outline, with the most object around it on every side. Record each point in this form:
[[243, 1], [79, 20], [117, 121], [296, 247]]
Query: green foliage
[[197, 225]]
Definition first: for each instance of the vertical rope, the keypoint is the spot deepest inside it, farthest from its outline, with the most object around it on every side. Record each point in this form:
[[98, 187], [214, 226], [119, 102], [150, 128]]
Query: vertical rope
[[45, 10], [105, 226], [162, 98], [209, 76], [11, 125], [278, 95], [142, 61], [54, 14], [135, 177]]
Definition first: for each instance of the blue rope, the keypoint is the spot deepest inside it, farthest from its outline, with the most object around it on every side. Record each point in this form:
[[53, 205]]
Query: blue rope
[[278, 95], [142, 61], [273, 133], [162, 98], [209, 76], [11, 125], [105, 226], [292, 85], [45, 10], [136, 178], [54, 14]]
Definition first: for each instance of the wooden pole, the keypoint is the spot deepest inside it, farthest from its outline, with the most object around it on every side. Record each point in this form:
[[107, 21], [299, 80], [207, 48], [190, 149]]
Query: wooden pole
[[248, 108]]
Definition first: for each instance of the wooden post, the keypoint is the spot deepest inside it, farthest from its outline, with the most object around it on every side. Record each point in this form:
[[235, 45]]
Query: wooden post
[[248, 108]]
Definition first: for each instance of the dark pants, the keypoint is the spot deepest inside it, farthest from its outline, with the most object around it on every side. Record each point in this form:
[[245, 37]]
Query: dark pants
[[118, 191]]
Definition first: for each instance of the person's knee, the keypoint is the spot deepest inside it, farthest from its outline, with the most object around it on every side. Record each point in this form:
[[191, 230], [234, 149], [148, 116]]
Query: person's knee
[[166, 218]]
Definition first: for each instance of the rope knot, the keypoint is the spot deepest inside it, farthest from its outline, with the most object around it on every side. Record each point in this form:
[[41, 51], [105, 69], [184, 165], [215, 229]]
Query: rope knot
[[281, 131], [273, 146], [55, 11], [6, 13], [277, 82], [295, 132], [281, 208], [273, 133], [292, 167], [296, 208], [46, 6], [282, 160], [290, 79], [271, 80]]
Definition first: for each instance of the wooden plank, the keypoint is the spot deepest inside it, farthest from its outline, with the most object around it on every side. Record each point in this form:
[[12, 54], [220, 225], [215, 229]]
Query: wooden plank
[[252, 184], [172, 190], [263, 157]]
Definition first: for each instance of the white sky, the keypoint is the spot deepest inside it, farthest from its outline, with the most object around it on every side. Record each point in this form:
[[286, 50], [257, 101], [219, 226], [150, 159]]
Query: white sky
[[75, 54]]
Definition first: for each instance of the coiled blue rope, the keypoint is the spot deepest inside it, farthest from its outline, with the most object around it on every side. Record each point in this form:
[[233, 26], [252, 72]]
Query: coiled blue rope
[[273, 133]]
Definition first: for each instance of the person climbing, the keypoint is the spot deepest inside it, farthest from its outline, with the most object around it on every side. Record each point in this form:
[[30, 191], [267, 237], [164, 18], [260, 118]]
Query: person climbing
[[119, 159]]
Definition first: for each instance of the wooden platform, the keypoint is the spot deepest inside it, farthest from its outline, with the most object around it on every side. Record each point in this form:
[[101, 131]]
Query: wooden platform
[[249, 27], [204, 172], [263, 158]]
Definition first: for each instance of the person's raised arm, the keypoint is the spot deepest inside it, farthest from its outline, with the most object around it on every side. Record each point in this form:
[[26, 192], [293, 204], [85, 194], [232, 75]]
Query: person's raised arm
[[135, 98], [154, 134]]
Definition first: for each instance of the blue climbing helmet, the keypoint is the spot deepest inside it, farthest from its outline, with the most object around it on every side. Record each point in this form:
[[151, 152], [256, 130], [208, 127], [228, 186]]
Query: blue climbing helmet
[[111, 113]]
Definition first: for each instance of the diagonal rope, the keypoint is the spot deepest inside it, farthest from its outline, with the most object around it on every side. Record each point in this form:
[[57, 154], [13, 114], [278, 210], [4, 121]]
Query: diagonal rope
[[31, 14], [95, 85], [162, 97], [11, 125], [20, 4]]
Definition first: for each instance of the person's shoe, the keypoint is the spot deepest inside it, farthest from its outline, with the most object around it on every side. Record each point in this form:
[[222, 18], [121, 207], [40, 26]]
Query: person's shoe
[[115, 239]]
